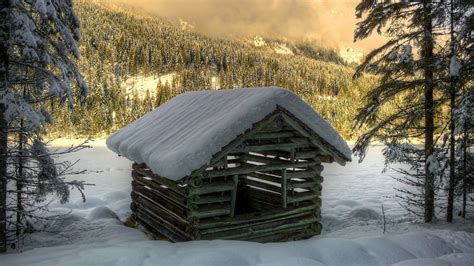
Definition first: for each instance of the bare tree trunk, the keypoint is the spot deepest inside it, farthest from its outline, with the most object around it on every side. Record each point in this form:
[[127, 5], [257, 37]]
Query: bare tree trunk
[[20, 180], [4, 62], [464, 165], [428, 58], [452, 139]]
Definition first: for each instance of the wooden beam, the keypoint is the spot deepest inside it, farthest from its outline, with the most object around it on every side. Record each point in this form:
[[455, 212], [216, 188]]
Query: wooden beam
[[284, 188], [270, 147], [253, 217], [234, 195], [316, 140], [258, 168], [206, 188]]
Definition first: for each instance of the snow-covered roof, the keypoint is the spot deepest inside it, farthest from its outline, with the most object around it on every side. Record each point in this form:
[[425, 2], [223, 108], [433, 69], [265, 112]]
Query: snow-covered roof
[[183, 134]]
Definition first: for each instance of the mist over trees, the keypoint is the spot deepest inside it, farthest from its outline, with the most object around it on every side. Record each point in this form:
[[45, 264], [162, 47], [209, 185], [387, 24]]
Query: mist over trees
[[116, 46]]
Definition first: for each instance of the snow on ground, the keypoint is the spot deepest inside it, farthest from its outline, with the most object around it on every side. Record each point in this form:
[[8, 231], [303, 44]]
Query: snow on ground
[[141, 84], [93, 233]]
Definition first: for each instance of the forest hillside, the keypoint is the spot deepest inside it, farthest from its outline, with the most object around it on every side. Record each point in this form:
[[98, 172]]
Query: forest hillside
[[133, 63]]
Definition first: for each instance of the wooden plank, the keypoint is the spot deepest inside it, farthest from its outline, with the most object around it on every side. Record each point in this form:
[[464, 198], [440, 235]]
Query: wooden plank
[[147, 221], [304, 174], [316, 140], [270, 147], [229, 228], [304, 184], [255, 183], [285, 225], [165, 192], [272, 135], [237, 141], [304, 196], [261, 195], [266, 177], [166, 223], [179, 213], [211, 210], [253, 217], [284, 188], [206, 199], [161, 180], [259, 168], [220, 186], [234, 195], [261, 159]]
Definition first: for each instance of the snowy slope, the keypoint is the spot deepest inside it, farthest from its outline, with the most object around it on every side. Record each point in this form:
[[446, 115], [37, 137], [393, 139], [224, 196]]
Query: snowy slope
[[184, 133], [92, 234]]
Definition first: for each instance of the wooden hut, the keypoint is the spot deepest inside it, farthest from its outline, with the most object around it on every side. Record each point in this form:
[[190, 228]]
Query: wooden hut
[[242, 164]]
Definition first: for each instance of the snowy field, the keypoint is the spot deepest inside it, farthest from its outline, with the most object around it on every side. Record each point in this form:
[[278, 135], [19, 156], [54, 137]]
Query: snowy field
[[93, 232]]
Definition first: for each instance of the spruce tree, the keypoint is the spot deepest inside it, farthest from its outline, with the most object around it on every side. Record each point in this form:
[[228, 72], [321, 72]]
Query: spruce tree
[[37, 64], [406, 64]]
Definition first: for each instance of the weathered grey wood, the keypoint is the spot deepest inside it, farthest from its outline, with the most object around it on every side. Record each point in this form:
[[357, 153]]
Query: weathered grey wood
[[165, 192], [211, 210], [238, 140], [220, 186], [304, 196], [261, 159], [316, 140], [259, 168], [270, 147], [269, 178], [175, 213], [304, 174], [206, 199], [263, 229], [234, 195], [161, 180], [144, 218], [272, 135], [284, 188], [258, 184], [253, 217], [304, 184], [247, 225]]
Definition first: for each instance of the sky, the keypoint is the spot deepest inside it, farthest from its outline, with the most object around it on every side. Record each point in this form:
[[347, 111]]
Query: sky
[[329, 22]]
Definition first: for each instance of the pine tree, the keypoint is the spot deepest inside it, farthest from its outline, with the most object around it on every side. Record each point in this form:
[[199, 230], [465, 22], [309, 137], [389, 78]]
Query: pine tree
[[408, 82], [37, 63]]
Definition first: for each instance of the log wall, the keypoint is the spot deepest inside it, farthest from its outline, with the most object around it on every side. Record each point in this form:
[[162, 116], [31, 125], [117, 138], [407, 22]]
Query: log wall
[[267, 188]]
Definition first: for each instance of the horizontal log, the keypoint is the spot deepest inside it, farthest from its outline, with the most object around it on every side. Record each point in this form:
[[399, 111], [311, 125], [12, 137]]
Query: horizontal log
[[206, 199], [304, 174], [161, 180], [250, 182], [258, 168], [305, 184], [165, 192], [253, 193], [145, 219], [261, 159], [272, 135], [165, 223], [304, 196], [266, 177], [270, 147], [177, 211], [211, 210], [263, 222], [142, 204], [253, 217], [220, 186], [260, 230], [302, 232]]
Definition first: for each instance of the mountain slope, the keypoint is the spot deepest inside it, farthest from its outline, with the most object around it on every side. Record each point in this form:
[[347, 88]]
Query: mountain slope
[[117, 46]]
